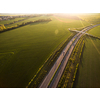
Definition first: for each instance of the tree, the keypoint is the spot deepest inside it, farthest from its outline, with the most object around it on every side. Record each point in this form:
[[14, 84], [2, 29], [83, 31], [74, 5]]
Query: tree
[[2, 27]]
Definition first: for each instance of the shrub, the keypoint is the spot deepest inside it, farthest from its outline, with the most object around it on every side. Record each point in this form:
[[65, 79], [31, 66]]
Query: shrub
[[2, 27]]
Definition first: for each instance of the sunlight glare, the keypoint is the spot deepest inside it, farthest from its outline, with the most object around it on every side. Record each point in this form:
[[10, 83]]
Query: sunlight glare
[[49, 6]]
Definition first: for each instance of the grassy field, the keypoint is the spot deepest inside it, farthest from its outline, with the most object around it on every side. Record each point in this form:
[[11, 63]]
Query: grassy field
[[24, 50], [93, 18], [9, 21], [88, 75], [95, 31], [27, 20]]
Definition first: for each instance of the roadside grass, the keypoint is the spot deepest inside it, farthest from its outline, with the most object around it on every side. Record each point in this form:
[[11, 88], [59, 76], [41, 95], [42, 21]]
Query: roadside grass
[[68, 77], [32, 45], [88, 75]]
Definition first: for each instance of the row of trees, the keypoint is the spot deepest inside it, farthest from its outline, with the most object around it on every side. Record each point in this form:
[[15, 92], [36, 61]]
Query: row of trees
[[94, 36], [3, 29], [14, 22]]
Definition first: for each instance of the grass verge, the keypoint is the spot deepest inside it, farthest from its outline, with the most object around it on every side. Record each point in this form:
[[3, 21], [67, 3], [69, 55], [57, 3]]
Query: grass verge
[[88, 75], [70, 71]]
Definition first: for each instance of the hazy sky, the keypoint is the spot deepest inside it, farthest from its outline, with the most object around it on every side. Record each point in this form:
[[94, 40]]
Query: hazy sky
[[49, 6]]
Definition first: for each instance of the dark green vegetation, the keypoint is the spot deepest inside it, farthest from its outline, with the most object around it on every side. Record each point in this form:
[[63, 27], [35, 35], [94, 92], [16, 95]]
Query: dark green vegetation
[[24, 50], [88, 75], [10, 21], [17, 20], [3, 29], [27, 19], [70, 71]]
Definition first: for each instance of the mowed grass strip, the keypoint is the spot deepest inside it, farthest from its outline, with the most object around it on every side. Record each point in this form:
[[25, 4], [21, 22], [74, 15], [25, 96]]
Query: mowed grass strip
[[88, 75], [32, 45]]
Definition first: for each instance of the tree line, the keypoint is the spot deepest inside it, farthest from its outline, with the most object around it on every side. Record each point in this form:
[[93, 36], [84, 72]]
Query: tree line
[[3, 28]]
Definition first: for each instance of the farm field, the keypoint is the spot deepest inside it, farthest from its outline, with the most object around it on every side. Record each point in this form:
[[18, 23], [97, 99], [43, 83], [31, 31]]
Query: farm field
[[88, 75], [27, 20], [25, 49], [9, 21], [93, 18], [95, 31]]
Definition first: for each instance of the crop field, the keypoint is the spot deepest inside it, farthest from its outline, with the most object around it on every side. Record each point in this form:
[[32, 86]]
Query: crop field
[[95, 31], [25, 49], [27, 20], [72, 23], [9, 21], [88, 75], [93, 18]]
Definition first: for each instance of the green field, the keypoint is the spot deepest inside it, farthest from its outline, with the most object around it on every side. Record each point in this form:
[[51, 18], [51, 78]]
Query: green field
[[93, 18], [95, 31], [88, 75], [27, 20], [9, 21], [24, 50]]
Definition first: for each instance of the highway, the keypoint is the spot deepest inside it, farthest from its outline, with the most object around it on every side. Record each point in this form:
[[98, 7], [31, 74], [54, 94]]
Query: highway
[[60, 70], [58, 67]]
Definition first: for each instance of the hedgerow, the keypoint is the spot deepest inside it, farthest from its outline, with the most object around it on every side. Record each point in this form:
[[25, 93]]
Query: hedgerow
[[3, 29], [69, 74]]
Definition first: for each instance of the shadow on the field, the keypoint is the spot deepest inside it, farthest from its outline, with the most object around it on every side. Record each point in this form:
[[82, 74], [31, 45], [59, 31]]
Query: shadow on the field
[[76, 79], [81, 65], [39, 23], [81, 60]]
